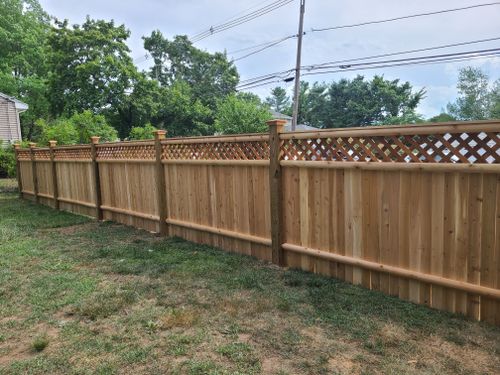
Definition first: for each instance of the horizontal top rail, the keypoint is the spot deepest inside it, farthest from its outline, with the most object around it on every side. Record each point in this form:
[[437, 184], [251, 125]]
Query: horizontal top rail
[[428, 128], [218, 138]]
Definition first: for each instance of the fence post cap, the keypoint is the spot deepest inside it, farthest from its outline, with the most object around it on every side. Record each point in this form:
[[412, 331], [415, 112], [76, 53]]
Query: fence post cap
[[52, 143], [278, 123], [160, 134], [95, 139], [17, 146], [32, 144]]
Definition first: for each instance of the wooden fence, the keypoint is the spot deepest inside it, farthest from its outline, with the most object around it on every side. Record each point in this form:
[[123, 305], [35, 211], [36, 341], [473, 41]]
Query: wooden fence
[[412, 211]]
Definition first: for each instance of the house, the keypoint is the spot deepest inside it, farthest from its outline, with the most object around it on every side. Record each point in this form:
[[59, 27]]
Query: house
[[10, 127], [288, 125]]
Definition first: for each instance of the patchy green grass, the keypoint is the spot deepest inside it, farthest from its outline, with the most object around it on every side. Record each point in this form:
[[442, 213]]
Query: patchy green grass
[[80, 297]]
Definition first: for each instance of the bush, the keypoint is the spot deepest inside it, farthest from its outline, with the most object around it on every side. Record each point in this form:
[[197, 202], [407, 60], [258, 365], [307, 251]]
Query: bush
[[238, 114], [87, 125], [142, 132], [62, 130], [7, 161]]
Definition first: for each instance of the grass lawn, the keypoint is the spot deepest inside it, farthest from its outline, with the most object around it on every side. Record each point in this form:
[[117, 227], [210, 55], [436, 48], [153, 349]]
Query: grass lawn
[[80, 297]]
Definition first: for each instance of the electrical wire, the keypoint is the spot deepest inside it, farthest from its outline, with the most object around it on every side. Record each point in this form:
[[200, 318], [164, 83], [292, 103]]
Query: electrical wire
[[275, 42], [406, 17], [240, 20], [449, 57], [326, 64]]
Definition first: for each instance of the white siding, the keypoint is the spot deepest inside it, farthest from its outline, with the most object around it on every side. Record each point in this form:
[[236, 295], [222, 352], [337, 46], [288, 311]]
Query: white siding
[[9, 121]]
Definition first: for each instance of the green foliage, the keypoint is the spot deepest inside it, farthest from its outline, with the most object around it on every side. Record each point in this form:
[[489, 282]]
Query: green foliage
[[142, 132], [90, 64], [62, 130], [40, 343], [358, 102], [476, 100], [181, 113], [87, 125], [7, 161], [279, 101], [76, 129], [139, 108], [406, 118], [23, 63], [442, 117], [238, 114], [211, 76]]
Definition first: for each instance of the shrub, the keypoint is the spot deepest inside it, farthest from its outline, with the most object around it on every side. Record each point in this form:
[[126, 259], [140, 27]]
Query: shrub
[[142, 132], [7, 161], [87, 124], [62, 130]]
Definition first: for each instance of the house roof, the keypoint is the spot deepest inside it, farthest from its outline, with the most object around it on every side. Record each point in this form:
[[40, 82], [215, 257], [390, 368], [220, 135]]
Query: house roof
[[20, 106], [281, 116], [299, 127]]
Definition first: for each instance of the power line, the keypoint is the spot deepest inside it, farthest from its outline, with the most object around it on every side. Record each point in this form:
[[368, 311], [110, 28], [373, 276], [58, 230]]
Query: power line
[[430, 62], [240, 20], [405, 17], [449, 57], [269, 45], [275, 42], [320, 66]]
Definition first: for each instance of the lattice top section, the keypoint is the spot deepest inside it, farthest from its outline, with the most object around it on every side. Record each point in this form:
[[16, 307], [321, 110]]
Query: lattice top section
[[251, 150], [24, 154], [125, 151], [460, 147], [73, 153], [41, 154]]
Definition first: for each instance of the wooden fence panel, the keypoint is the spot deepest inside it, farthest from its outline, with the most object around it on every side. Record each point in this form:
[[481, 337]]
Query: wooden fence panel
[[226, 198], [76, 189], [26, 178], [128, 194]]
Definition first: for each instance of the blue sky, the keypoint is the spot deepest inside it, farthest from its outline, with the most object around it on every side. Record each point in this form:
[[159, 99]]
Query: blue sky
[[190, 16]]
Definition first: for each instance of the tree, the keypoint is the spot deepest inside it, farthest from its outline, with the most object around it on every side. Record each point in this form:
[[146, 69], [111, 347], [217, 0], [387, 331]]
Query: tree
[[62, 130], [23, 56], [313, 104], [142, 132], [211, 76], [181, 113], [238, 114], [279, 101], [138, 108], [90, 66], [442, 117], [359, 103]]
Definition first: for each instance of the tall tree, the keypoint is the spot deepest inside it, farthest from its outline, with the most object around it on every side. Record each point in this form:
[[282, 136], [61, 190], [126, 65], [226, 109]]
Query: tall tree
[[90, 66], [358, 102], [23, 55], [211, 76], [279, 101], [474, 100]]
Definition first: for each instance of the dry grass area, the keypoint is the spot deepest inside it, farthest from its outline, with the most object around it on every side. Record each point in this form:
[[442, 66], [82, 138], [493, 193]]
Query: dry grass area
[[80, 297]]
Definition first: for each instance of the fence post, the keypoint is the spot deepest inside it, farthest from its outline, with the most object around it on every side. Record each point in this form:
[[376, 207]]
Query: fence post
[[97, 179], [17, 146], [33, 171], [55, 188], [160, 183], [275, 187]]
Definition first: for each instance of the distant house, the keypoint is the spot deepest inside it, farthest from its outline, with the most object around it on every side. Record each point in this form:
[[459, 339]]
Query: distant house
[[288, 125], [10, 127]]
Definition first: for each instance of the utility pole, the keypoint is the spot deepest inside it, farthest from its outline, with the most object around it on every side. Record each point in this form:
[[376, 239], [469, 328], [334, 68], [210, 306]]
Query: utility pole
[[295, 114]]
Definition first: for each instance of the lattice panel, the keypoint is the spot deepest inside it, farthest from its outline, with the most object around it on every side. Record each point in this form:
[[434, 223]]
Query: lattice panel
[[41, 154], [477, 147], [254, 150], [24, 154], [124, 151], [72, 153]]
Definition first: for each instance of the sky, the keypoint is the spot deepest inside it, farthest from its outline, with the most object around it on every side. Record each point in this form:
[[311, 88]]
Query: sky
[[188, 17]]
